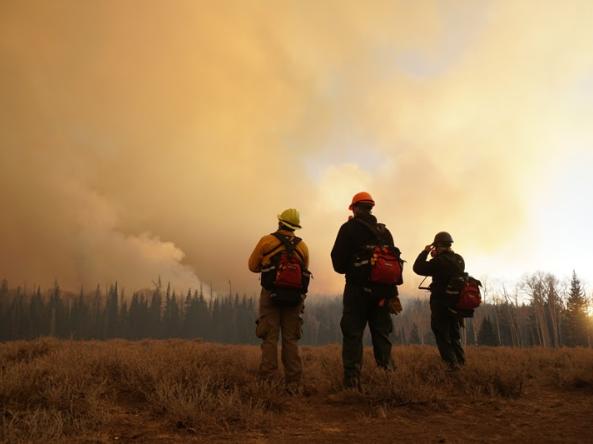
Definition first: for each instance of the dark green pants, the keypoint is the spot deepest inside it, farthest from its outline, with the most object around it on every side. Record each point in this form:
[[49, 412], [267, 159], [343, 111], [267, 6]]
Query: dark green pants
[[446, 328], [359, 309]]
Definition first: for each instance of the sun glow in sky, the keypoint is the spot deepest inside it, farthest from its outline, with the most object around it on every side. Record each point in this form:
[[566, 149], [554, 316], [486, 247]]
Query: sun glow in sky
[[162, 138]]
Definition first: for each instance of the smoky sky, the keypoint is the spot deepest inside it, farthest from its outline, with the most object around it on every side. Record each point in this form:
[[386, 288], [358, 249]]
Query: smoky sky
[[146, 139]]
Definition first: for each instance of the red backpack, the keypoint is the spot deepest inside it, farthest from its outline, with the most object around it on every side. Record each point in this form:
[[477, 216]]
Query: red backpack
[[289, 273], [386, 266], [287, 269], [380, 261], [464, 293], [470, 297]]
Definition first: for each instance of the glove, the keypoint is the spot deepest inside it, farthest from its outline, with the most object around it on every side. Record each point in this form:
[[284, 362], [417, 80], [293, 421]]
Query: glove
[[395, 305]]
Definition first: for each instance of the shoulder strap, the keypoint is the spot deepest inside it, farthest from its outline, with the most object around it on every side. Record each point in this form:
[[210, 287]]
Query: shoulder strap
[[460, 263], [453, 260], [376, 230], [275, 249], [290, 243]]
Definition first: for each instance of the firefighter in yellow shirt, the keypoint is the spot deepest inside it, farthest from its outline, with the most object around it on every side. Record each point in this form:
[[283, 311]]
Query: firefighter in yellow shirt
[[283, 261]]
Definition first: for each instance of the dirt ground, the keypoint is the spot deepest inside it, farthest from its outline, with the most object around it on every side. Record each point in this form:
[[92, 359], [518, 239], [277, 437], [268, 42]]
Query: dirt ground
[[542, 416]]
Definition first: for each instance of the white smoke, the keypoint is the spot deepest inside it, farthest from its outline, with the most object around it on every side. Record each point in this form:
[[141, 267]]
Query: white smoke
[[134, 259]]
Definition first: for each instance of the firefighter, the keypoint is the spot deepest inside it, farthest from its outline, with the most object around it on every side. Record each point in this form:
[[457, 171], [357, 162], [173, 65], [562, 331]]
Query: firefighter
[[362, 303], [280, 316], [445, 322]]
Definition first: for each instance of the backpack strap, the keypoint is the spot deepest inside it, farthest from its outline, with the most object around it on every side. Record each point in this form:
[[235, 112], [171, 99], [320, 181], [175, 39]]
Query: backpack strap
[[377, 230], [274, 250], [290, 243], [459, 277], [455, 263]]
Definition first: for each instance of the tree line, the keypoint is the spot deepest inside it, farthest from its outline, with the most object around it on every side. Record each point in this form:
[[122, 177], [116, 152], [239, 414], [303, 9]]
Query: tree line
[[540, 311]]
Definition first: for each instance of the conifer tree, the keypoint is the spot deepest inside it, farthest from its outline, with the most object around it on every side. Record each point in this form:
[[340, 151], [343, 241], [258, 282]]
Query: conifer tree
[[111, 312], [171, 316], [576, 314], [486, 334], [414, 335], [154, 313]]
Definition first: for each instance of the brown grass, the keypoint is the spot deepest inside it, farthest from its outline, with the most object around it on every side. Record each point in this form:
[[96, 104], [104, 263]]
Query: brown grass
[[56, 390]]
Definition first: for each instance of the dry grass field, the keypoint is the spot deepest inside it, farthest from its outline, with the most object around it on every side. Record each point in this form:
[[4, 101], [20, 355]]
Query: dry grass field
[[179, 391]]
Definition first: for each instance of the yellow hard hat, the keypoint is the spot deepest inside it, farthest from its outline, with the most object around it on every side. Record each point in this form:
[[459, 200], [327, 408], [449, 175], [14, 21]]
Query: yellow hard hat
[[290, 217]]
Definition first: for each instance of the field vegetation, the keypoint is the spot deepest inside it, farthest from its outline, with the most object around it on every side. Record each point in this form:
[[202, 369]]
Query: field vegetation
[[179, 390]]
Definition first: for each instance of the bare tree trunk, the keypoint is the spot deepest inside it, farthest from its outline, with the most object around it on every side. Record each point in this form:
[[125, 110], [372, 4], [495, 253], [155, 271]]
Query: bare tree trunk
[[553, 305], [474, 339], [497, 324], [553, 321], [543, 327], [537, 288], [512, 317]]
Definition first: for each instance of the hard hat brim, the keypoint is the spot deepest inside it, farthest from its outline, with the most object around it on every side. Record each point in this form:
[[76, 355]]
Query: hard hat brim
[[372, 202], [288, 224]]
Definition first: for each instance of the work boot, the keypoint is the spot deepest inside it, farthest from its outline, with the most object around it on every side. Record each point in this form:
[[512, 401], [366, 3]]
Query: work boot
[[294, 389], [453, 367], [352, 383], [268, 377], [389, 368]]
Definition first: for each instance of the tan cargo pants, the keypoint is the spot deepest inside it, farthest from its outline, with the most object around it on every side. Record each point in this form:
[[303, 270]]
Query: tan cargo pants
[[271, 321]]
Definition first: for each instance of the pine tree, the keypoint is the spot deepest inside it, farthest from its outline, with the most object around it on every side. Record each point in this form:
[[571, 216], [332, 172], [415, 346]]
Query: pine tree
[[154, 314], [111, 312], [576, 314], [36, 314], [186, 327], [136, 317], [203, 317], [57, 313], [77, 318], [171, 316], [414, 335], [428, 338], [487, 335], [124, 319]]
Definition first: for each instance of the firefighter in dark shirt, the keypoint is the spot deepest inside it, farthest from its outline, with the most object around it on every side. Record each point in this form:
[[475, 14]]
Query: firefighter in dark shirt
[[360, 304], [445, 322]]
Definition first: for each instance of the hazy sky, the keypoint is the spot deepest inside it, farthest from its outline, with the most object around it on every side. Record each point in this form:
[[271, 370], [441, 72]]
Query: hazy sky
[[146, 138]]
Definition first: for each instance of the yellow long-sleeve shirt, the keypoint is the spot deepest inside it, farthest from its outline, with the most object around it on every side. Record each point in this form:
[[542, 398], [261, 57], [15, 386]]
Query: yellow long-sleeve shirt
[[268, 246]]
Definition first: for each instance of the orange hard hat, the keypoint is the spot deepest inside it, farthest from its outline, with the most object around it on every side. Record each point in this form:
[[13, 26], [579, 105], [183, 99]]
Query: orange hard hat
[[363, 196]]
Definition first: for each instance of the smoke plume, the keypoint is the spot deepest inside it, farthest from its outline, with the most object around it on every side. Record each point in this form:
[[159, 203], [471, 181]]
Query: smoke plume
[[153, 138]]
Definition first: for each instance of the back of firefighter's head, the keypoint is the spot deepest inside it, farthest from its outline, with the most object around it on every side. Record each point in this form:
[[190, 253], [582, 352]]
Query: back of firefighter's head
[[443, 240], [362, 203], [289, 220]]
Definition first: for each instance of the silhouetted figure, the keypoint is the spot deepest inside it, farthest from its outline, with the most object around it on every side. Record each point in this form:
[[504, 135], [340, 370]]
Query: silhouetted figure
[[364, 301], [445, 322]]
